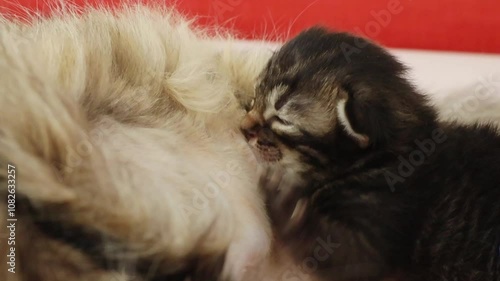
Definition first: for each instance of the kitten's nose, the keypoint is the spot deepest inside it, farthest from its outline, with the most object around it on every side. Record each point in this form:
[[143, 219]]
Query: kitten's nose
[[252, 132], [251, 125]]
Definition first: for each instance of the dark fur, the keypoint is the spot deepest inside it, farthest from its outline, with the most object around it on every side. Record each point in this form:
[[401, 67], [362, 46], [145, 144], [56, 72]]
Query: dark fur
[[440, 221], [109, 254]]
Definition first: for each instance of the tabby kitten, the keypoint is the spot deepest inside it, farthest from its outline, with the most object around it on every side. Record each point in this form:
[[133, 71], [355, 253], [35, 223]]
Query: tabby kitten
[[376, 187]]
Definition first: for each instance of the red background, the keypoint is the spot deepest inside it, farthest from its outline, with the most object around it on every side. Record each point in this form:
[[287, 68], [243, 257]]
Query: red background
[[456, 25]]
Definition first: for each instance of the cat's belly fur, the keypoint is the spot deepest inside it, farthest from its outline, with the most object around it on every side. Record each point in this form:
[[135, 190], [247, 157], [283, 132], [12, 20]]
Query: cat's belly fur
[[192, 177], [127, 125]]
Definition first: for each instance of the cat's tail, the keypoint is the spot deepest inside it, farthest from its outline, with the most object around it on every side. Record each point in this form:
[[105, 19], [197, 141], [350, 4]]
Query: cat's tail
[[39, 124]]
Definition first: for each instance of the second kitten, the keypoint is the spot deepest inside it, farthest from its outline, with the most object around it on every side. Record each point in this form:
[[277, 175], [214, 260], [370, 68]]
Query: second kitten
[[380, 188]]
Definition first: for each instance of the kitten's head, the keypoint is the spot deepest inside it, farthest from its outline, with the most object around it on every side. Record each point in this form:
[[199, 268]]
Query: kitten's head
[[326, 97]]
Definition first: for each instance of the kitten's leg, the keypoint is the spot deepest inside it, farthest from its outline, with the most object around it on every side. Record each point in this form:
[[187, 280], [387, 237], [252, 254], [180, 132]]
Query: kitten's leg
[[246, 254], [250, 247], [323, 245]]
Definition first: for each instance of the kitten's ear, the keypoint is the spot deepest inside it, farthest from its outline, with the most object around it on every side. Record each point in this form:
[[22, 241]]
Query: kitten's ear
[[347, 120], [365, 117]]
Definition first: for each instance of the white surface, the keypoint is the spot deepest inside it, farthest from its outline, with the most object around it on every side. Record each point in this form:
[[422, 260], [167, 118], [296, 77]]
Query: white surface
[[464, 86], [448, 71]]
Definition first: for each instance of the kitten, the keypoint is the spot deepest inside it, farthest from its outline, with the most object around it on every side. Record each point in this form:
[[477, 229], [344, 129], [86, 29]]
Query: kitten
[[375, 187]]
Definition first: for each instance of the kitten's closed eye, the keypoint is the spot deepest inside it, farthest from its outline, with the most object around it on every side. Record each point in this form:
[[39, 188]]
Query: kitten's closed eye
[[252, 102], [283, 127], [279, 120], [248, 105]]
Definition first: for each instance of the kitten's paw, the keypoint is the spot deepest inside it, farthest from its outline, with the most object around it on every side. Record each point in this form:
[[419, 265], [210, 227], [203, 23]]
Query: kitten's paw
[[246, 254]]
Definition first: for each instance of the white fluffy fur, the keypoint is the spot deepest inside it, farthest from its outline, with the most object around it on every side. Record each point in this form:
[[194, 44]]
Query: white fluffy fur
[[130, 120]]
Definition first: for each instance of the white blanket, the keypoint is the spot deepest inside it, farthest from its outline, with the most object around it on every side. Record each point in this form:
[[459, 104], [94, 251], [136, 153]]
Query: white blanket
[[465, 86]]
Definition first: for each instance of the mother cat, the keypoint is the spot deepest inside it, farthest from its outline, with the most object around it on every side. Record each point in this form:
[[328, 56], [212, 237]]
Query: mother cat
[[122, 127]]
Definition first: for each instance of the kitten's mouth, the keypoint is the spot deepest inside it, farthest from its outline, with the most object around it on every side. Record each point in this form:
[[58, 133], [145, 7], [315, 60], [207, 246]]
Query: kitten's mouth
[[265, 151], [260, 139]]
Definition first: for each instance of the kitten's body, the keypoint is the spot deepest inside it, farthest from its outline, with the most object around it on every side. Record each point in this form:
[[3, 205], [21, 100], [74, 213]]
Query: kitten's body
[[393, 191]]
